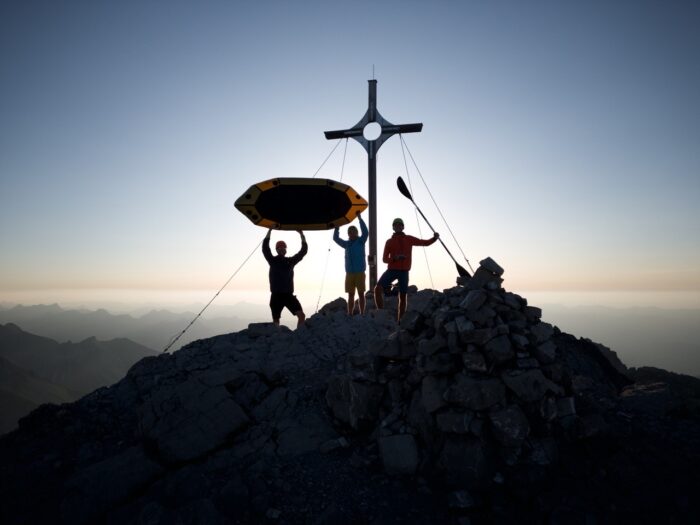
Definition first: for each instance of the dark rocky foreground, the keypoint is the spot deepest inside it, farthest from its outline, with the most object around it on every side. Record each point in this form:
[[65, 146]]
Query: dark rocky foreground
[[473, 410]]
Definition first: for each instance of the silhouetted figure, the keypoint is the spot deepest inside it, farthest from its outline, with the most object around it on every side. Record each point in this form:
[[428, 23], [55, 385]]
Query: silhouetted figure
[[397, 256], [282, 278], [355, 264]]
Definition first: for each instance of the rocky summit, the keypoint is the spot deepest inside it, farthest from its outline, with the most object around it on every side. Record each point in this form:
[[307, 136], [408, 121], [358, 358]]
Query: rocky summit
[[471, 410]]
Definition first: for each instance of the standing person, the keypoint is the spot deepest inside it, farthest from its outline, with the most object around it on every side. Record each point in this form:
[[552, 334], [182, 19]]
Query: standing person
[[397, 256], [355, 264], [282, 278]]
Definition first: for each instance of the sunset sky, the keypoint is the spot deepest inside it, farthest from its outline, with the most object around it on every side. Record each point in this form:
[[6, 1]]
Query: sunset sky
[[562, 139]]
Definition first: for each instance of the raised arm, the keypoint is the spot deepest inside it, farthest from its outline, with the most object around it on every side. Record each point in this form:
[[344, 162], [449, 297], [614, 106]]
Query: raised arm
[[363, 229], [423, 242], [336, 237], [266, 247], [304, 248]]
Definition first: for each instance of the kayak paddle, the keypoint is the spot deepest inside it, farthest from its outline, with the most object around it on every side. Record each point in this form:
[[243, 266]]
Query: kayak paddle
[[404, 191]]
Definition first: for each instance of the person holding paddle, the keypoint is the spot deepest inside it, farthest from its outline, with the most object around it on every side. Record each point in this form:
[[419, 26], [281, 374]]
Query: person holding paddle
[[397, 256], [355, 264], [282, 278]]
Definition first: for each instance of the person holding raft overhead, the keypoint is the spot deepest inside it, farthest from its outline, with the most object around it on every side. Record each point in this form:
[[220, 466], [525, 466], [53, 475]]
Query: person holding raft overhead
[[282, 278], [355, 264], [397, 256]]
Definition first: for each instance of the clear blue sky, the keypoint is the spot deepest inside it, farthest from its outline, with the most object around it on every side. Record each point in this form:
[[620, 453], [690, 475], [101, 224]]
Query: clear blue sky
[[560, 138]]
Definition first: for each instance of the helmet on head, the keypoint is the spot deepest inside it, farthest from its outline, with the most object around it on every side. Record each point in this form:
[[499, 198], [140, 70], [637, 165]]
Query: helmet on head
[[397, 220]]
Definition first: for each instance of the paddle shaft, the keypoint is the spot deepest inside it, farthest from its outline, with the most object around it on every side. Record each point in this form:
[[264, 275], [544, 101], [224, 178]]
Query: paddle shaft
[[404, 191], [461, 270]]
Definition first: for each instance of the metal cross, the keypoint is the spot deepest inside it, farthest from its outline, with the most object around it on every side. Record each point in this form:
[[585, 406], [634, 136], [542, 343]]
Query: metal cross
[[372, 146]]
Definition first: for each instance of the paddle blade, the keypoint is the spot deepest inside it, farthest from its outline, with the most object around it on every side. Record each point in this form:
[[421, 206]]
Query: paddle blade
[[461, 271], [403, 188]]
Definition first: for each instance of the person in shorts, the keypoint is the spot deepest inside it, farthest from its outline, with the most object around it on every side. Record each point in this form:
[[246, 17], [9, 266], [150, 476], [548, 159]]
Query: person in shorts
[[282, 278], [397, 256], [355, 264]]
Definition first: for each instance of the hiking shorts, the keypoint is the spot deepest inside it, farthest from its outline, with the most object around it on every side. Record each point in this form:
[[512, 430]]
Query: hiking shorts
[[278, 301], [390, 276], [355, 280]]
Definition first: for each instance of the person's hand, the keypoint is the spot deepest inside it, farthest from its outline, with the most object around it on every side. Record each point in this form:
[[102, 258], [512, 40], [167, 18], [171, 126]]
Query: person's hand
[[269, 232], [436, 235], [301, 233]]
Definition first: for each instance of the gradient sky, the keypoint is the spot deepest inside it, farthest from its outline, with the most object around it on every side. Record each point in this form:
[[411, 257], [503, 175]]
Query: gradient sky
[[560, 138]]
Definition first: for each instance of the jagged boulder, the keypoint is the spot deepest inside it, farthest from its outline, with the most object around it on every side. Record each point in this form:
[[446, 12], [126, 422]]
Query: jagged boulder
[[187, 420], [353, 402], [475, 393], [510, 426]]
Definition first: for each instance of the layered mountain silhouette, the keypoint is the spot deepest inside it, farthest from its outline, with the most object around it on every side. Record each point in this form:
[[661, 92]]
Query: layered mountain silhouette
[[153, 329], [471, 410], [36, 370], [665, 338], [21, 392]]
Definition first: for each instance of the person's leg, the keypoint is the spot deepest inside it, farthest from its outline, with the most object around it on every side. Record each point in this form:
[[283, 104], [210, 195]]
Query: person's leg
[[294, 306], [378, 297], [403, 302], [379, 289], [403, 293], [363, 302], [350, 290], [351, 302], [361, 289], [275, 308]]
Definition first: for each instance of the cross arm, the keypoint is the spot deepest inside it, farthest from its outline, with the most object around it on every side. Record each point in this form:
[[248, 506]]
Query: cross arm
[[386, 129], [403, 128], [343, 133]]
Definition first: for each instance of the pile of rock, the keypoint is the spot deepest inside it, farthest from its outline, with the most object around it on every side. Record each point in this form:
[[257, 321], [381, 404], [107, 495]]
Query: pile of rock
[[472, 383]]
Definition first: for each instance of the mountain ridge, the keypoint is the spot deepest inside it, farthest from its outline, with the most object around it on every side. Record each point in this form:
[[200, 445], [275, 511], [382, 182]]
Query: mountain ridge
[[41, 364], [22, 391], [154, 329]]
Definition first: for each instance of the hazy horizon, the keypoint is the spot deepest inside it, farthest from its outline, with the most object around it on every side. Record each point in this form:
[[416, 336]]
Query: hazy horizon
[[645, 329], [156, 299]]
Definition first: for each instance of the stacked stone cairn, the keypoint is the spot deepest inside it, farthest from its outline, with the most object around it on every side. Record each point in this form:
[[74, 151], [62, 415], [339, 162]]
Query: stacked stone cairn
[[468, 386]]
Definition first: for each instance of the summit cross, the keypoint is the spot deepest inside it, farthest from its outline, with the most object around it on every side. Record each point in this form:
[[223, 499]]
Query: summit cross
[[362, 132]]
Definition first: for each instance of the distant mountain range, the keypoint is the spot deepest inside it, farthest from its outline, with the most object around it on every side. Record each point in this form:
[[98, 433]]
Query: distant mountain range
[[659, 337], [155, 329], [50, 354], [36, 370], [21, 392]]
